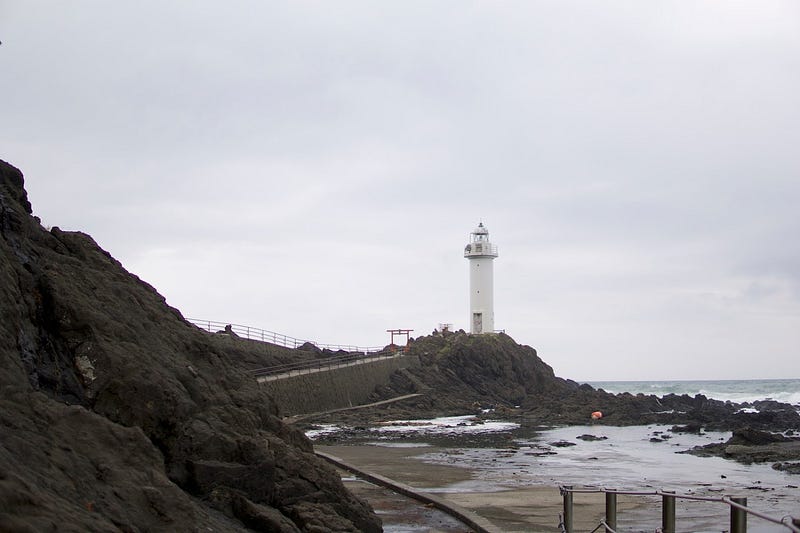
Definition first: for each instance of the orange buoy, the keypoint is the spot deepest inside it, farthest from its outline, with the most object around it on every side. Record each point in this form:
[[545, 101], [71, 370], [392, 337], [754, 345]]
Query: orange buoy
[[596, 415]]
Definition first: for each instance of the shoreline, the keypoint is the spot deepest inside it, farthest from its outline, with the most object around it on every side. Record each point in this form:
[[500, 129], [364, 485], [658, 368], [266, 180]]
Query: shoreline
[[499, 492], [427, 499], [513, 509]]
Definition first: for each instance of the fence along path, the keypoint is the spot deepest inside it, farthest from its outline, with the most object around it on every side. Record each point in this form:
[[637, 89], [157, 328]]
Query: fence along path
[[355, 354], [360, 355], [263, 335], [738, 505]]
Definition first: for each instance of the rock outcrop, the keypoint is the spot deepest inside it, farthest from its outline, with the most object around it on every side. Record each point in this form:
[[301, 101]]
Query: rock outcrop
[[118, 415], [748, 445], [461, 373]]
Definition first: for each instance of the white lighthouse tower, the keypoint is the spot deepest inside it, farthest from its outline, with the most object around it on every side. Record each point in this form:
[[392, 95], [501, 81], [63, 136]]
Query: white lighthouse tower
[[481, 253]]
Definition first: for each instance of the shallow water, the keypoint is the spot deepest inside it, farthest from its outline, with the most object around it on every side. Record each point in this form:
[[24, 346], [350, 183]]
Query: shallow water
[[628, 460], [506, 456]]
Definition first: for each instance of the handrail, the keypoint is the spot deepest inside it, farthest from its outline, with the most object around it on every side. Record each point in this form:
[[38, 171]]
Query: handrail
[[739, 509], [263, 335], [319, 364]]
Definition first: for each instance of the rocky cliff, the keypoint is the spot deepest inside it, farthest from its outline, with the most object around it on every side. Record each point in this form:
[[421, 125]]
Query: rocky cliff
[[118, 415], [461, 373]]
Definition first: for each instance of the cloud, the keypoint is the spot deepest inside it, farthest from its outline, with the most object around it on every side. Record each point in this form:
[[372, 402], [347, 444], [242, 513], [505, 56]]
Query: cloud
[[315, 169]]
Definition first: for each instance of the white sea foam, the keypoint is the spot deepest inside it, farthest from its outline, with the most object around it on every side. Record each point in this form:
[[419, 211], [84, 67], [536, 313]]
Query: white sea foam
[[790, 397], [738, 391], [389, 444], [322, 429], [446, 425]]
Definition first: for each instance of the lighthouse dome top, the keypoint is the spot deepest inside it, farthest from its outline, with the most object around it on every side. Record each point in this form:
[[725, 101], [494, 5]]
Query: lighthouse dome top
[[480, 230], [479, 245]]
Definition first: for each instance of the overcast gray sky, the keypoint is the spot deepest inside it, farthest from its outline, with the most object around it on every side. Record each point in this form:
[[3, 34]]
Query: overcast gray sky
[[315, 168]]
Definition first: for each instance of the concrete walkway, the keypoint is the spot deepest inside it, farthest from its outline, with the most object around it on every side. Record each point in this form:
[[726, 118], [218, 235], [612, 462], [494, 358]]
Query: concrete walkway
[[295, 418], [326, 368]]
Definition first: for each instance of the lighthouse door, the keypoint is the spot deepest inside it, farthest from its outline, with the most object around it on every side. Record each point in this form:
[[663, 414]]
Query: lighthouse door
[[477, 322]]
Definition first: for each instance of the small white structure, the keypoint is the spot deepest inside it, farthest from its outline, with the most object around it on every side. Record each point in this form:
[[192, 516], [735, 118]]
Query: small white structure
[[481, 253]]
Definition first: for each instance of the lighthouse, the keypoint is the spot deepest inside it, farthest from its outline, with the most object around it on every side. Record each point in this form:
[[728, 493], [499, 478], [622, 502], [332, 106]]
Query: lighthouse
[[480, 253]]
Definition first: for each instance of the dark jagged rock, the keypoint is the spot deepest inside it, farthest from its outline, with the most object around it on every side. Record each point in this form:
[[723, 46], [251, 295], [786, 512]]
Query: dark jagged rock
[[461, 373], [790, 467], [748, 445], [697, 429], [591, 438], [309, 347], [117, 414], [749, 437], [464, 373]]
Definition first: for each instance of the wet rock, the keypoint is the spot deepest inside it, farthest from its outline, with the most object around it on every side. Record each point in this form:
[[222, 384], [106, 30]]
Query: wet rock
[[753, 446], [562, 444], [788, 466], [749, 436], [696, 429], [588, 437]]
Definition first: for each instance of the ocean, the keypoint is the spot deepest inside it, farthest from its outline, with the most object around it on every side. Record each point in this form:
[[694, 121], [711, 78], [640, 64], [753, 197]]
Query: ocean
[[504, 456], [738, 391]]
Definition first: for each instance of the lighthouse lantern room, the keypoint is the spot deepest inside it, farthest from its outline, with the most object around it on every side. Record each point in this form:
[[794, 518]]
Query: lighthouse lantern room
[[480, 253]]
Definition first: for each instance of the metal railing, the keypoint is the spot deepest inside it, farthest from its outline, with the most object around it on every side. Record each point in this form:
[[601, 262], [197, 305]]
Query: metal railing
[[738, 506], [480, 249], [328, 363], [263, 335]]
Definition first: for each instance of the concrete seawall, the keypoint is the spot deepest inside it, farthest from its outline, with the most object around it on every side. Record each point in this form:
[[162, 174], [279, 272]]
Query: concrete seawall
[[334, 389]]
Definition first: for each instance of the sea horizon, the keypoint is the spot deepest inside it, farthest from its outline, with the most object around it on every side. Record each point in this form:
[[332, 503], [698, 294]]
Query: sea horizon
[[680, 380], [785, 390]]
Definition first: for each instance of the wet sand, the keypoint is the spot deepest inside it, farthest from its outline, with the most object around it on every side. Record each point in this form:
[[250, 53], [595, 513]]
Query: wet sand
[[515, 509]]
